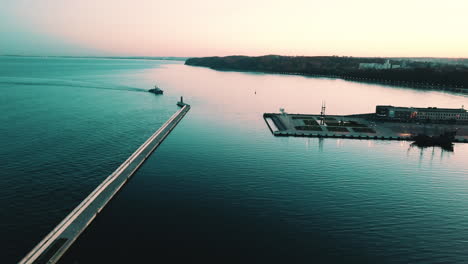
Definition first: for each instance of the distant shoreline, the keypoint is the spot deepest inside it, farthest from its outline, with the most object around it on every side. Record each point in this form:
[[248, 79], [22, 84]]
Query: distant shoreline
[[430, 73]]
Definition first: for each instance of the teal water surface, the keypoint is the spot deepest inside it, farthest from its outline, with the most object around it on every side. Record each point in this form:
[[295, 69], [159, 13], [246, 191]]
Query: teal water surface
[[66, 124], [221, 187]]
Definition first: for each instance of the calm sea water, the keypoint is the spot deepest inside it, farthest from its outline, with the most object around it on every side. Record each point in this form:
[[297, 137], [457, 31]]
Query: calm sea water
[[65, 125], [221, 187]]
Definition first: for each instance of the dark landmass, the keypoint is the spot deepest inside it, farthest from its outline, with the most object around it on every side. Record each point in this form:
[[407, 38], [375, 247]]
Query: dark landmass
[[101, 57], [431, 73]]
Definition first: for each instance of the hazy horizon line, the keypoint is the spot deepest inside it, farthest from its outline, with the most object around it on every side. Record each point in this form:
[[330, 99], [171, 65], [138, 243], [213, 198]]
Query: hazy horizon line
[[187, 57]]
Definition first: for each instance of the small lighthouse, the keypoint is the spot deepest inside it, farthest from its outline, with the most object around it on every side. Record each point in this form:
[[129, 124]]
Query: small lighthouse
[[181, 102]]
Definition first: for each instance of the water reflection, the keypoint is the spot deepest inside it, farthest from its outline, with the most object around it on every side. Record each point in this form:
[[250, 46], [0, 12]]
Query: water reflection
[[447, 147], [320, 141], [429, 153], [222, 176]]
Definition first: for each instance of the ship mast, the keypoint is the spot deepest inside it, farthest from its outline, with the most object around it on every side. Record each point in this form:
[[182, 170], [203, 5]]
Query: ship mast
[[322, 113]]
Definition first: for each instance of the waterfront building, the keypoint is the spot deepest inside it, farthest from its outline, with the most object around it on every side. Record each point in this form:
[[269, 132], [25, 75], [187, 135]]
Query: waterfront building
[[376, 66], [398, 113], [379, 66]]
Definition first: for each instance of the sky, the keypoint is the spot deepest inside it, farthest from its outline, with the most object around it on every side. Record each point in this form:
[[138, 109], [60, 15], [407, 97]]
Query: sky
[[194, 28]]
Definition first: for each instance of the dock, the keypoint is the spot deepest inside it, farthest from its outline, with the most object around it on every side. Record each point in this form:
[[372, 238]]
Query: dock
[[56, 243], [353, 127]]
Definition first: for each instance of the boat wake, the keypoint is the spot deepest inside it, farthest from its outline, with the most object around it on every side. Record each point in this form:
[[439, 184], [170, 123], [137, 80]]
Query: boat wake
[[7, 81]]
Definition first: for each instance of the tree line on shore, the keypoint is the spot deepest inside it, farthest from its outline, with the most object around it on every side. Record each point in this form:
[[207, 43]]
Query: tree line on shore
[[417, 73]]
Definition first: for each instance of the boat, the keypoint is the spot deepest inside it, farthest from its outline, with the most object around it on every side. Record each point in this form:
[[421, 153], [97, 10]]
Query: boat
[[444, 140], [156, 90]]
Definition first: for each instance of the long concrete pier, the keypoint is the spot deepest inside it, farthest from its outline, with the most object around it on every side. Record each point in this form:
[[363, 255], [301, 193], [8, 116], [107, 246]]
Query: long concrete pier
[[55, 244]]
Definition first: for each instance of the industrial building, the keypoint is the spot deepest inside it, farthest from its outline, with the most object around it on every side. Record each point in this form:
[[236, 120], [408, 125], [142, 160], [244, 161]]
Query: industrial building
[[379, 66], [406, 114]]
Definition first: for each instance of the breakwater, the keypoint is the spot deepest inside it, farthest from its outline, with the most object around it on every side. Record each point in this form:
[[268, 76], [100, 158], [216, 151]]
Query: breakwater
[[55, 244]]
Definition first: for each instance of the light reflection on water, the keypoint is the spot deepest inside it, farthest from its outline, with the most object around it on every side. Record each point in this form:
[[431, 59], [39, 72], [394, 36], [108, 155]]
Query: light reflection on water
[[222, 186]]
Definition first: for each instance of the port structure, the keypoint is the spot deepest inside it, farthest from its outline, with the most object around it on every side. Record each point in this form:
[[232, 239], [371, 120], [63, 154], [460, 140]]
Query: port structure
[[322, 114], [56, 243], [358, 126]]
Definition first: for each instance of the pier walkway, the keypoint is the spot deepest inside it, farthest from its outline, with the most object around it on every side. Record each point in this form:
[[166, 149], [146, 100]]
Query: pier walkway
[[354, 127], [54, 245]]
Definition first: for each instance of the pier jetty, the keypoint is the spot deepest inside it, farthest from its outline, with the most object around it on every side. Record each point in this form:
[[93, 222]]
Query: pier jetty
[[55, 244], [388, 123]]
